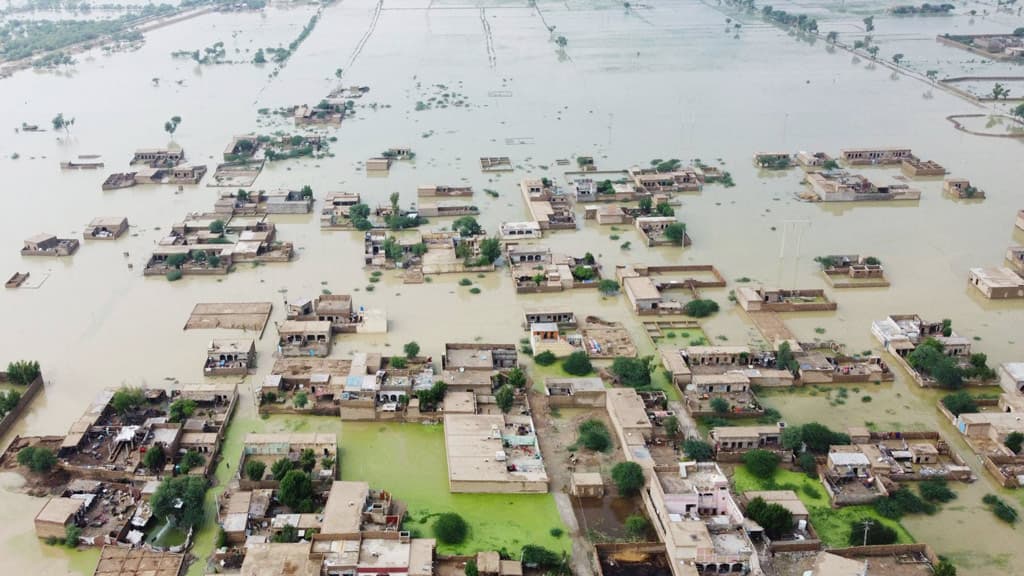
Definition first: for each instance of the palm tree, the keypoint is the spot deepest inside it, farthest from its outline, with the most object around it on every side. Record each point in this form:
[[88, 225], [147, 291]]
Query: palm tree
[[873, 51], [932, 75], [896, 58], [1000, 91], [62, 123]]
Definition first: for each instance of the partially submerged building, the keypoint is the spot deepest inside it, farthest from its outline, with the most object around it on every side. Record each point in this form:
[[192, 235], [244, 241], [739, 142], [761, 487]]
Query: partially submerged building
[[652, 230], [996, 283], [742, 439], [493, 453], [335, 214], [853, 271], [861, 156], [105, 228], [550, 209], [962, 188], [269, 448], [326, 113], [300, 338], [917, 168], [49, 245], [535, 268], [515, 231], [230, 357], [843, 186], [338, 310], [780, 300]]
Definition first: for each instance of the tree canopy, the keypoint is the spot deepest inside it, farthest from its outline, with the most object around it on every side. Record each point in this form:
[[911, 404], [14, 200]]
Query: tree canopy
[[189, 491], [628, 478], [632, 372]]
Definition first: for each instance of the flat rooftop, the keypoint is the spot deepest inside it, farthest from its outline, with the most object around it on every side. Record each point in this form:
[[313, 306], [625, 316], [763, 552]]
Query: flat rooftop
[[279, 559], [469, 358], [577, 384], [117, 561], [642, 288], [998, 277], [344, 509], [474, 442]]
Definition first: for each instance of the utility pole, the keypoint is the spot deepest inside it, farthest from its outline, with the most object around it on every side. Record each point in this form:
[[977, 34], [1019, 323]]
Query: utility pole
[[867, 526]]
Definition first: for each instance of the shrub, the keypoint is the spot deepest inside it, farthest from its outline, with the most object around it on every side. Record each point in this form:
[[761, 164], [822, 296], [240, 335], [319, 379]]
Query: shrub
[[471, 569], [37, 459], [537, 556], [465, 282], [1013, 441], [761, 463], [698, 450], [287, 534], [594, 435], [808, 464], [901, 502], [877, 533], [676, 232], [577, 364], [23, 372], [556, 532], [774, 518], [636, 527], [936, 490], [632, 372], [254, 470], [720, 405], [1001, 509], [190, 460], [700, 308], [411, 349], [450, 528], [398, 362], [504, 398], [280, 468], [71, 535], [671, 425], [545, 358], [944, 568], [960, 403], [628, 478], [127, 399], [300, 400]]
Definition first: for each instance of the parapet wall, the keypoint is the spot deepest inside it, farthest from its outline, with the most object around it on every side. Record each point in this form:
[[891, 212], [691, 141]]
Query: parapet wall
[[27, 395]]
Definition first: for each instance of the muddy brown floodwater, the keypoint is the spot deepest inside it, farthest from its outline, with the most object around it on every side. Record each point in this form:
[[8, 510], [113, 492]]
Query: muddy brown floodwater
[[662, 80]]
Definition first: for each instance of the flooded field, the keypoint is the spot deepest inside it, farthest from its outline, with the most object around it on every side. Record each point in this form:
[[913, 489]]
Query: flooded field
[[662, 80]]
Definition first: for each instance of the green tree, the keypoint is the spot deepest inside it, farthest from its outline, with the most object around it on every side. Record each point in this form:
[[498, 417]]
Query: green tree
[[190, 460], [671, 425], [578, 364], [873, 51], [761, 463], [774, 518], [127, 399], [608, 287], [398, 362], [490, 249], [517, 378], [307, 460], [936, 490], [808, 464], [676, 233], [411, 349], [175, 261], [171, 126], [254, 470], [281, 467], [23, 372], [1013, 441], [897, 58], [628, 478], [545, 358], [698, 450], [720, 405], [700, 308], [1000, 91], [664, 209], [594, 436], [71, 535], [61, 123], [632, 372], [37, 459], [645, 204], [181, 410], [542, 558], [295, 489], [154, 459], [1018, 111], [287, 534], [467, 226], [471, 569], [869, 23], [960, 403], [877, 533], [450, 528], [504, 398], [944, 568], [637, 527], [818, 438], [180, 500], [217, 227], [259, 58], [300, 400]]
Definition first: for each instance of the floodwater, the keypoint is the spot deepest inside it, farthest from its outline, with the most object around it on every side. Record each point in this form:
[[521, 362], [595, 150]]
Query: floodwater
[[659, 81]]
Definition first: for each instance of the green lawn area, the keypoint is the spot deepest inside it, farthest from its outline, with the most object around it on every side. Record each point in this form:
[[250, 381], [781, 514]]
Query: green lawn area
[[832, 525], [409, 461]]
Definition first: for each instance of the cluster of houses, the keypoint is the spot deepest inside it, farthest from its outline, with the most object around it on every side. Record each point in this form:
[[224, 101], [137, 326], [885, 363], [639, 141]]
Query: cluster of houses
[[106, 481], [556, 330], [156, 166], [1002, 282]]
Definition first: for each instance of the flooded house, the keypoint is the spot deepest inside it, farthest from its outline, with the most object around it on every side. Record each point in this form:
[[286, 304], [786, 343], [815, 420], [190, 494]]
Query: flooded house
[[335, 214], [575, 392], [496, 164], [606, 214], [996, 283], [488, 357], [104, 513], [1015, 258], [299, 338], [493, 454], [961, 188], [443, 191], [58, 515], [379, 165], [853, 271], [780, 300], [651, 181], [326, 113], [548, 208], [814, 160], [535, 269], [1020, 220], [849, 478], [446, 209], [564, 318], [861, 156], [515, 231], [373, 248], [269, 448], [773, 160], [843, 186], [230, 357], [49, 245], [159, 157], [106, 228], [288, 201], [338, 310], [652, 230], [742, 439], [732, 386], [914, 167]]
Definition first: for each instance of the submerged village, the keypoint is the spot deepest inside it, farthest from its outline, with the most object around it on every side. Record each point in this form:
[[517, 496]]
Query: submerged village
[[320, 294]]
